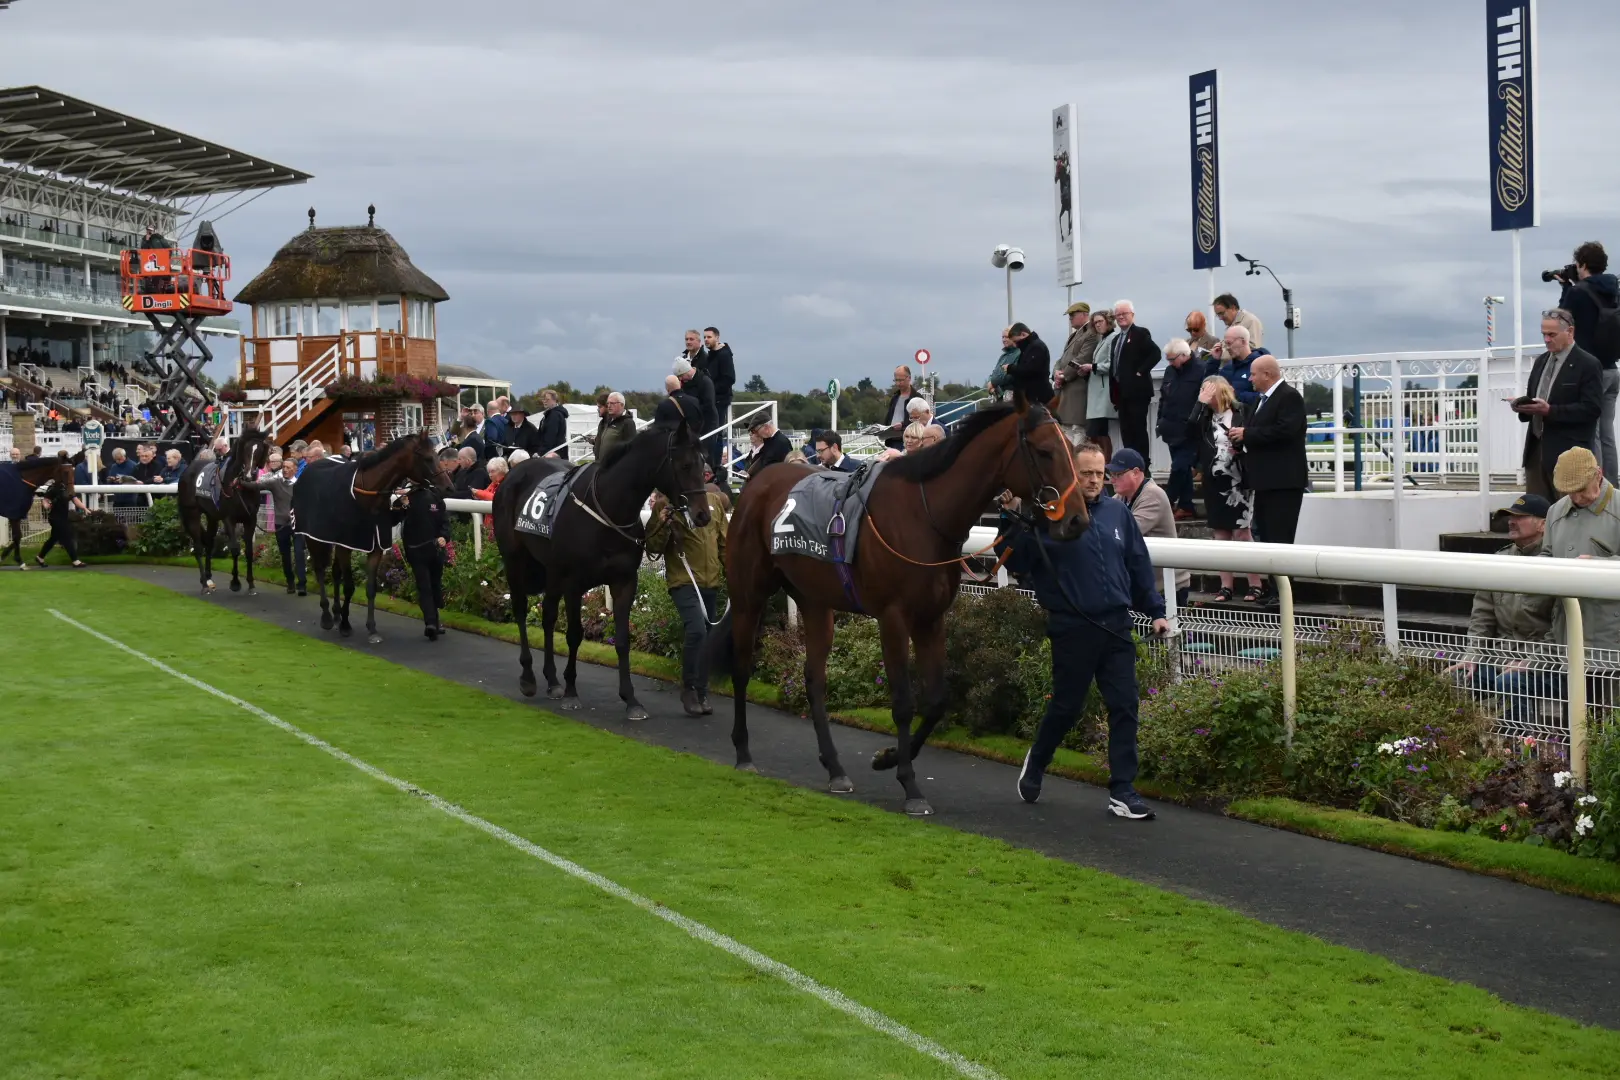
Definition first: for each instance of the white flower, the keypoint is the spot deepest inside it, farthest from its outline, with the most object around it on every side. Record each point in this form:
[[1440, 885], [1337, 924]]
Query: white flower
[[485, 584], [1386, 748], [1583, 825], [1561, 779], [1586, 800], [506, 596]]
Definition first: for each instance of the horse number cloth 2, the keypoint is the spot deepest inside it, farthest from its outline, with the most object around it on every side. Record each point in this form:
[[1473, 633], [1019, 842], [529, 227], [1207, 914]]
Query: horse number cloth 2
[[538, 514], [823, 508]]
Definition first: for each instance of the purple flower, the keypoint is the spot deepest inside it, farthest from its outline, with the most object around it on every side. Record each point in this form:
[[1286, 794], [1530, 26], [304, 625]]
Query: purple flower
[[1153, 691]]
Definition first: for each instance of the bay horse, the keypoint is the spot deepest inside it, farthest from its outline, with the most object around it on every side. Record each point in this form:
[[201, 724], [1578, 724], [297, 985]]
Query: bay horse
[[237, 508], [907, 572], [20, 482], [597, 539], [340, 507]]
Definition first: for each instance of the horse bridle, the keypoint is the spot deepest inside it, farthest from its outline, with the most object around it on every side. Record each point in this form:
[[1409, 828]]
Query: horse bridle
[[1056, 506]]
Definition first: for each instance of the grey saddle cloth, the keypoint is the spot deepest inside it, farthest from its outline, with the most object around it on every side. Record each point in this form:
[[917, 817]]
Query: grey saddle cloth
[[824, 507], [537, 515], [325, 509]]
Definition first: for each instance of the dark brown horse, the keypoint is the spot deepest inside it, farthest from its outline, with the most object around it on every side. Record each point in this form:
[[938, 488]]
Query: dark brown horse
[[340, 507], [908, 568], [21, 481], [237, 509], [597, 540]]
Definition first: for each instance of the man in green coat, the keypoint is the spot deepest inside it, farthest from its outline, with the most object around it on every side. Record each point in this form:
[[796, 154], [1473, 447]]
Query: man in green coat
[[694, 570], [1585, 524], [615, 427]]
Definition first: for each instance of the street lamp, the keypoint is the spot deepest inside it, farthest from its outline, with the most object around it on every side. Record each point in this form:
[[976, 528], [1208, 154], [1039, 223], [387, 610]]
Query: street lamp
[[1291, 315], [1011, 259]]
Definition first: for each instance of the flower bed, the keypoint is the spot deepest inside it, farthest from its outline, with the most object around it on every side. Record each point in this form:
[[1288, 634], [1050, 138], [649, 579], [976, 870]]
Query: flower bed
[[389, 387]]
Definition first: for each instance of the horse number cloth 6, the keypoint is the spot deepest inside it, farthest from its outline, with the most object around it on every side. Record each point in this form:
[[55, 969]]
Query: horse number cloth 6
[[538, 513], [820, 508]]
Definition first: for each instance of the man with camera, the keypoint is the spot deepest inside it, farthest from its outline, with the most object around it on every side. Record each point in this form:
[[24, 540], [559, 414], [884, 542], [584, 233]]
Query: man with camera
[[1592, 297], [1562, 403]]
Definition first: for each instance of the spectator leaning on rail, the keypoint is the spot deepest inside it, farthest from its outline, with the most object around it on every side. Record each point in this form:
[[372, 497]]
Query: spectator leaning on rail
[[1178, 397], [280, 489], [1585, 524], [694, 570], [1149, 505], [1070, 382], [1088, 587], [1562, 404], [1515, 627], [1000, 381], [1227, 310], [1592, 298]]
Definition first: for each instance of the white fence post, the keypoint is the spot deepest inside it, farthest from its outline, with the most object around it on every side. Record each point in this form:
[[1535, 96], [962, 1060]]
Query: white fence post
[[1290, 688], [1575, 643], [1338, 429], [478, 535], [1392, 619]]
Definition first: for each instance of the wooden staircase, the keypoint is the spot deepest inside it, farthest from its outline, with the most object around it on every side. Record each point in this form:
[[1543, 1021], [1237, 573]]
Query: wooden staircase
[[299, 404]]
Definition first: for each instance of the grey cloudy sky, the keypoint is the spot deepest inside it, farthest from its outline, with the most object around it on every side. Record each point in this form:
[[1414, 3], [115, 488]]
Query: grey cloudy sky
[[825, 181]]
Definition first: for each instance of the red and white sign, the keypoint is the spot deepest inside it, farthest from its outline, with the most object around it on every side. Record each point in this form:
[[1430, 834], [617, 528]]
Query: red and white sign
[[922, 356]]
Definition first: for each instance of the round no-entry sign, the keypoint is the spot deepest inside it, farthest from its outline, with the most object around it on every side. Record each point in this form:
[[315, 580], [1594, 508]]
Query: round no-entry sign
[[922, 356]]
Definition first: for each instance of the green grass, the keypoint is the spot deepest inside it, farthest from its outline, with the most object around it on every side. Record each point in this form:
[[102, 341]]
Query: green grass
[[185, 890], [1541, 866]]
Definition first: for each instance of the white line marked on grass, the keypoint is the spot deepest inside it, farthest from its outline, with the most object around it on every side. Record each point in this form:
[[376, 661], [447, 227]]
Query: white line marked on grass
[[752, 957]]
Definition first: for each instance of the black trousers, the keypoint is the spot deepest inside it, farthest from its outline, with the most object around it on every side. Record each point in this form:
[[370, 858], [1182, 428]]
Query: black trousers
[[694, 660], [1133, 429], [15, 547], [61, 533], [427, 567], [1276, 515], [1080, 657], [292, 554]]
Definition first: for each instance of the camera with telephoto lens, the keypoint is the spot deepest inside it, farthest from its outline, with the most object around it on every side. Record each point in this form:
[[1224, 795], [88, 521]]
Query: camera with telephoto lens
[[1567, 275]]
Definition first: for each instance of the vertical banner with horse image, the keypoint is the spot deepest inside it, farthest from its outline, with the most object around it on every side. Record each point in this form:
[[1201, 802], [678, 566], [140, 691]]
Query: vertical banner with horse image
[[1066, 193], [1510, 64], [1208, 227]]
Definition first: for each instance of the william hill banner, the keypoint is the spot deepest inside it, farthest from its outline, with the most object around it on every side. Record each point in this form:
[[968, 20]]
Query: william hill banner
[[1510, 48], [1209, 232]]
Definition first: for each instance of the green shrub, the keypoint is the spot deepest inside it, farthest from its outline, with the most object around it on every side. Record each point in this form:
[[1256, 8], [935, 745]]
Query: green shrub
[[99, 533], [1597, 822], [161, 533], [989, 640]]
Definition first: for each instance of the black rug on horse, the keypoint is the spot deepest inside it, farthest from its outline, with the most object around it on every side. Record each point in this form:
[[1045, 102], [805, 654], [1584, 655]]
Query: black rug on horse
[[538, 514], [16, 497], [820, 507], [325, 509]]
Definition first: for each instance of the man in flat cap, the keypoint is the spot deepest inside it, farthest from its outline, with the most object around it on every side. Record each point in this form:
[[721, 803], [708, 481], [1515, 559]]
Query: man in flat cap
[[1077, 350], [1585, 524]]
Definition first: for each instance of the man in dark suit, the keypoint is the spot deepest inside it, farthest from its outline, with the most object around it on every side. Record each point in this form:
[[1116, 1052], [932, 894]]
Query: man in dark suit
[[1032, 371], [721, 368], [1562, 402], [678, 407], [1135, 357], [773, 445], [699, 386], [1274, 466], [553, 424], [471, 438], [830, 452]]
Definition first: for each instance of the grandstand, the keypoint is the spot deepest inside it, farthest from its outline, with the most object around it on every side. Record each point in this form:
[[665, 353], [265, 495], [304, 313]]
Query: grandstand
[[79, 183]]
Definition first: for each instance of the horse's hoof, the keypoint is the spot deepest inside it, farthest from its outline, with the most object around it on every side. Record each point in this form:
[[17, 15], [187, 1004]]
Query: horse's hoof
[[554, 691], [747, 766], [326, 622], [373, 639], [886, 758], [344, 631], [527, 684], [919, 808], [252, 591], [236, 586], [840, 785], [635, 712], [209, 584]]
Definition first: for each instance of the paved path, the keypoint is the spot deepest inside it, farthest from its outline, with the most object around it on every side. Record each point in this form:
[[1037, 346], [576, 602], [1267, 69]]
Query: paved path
[[1529, 946]]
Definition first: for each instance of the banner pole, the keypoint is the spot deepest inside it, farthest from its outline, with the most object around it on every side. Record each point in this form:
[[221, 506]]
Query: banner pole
[[1209, 311], [1518, 314]]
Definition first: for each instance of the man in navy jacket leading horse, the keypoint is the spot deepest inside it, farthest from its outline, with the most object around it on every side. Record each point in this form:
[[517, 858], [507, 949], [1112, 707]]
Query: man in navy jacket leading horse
[[1089, 586]]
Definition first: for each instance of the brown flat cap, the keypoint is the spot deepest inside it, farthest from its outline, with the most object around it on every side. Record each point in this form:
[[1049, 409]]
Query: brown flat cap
[[1081, 308], [1576, 469]]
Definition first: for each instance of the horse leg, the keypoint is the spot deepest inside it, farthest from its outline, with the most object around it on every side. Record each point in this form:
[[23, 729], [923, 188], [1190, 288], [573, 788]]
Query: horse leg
[[818, 639], [247, 547], [211, 531], [576, 634], [373, 565], [624, 598], [548, 626], [231, 534], [744, 624], [517, 579], [930, 644], [320, 557], [896, 657], [345, 570]]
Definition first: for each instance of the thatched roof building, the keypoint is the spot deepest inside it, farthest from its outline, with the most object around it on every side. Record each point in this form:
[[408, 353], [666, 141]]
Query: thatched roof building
[[340, 261]]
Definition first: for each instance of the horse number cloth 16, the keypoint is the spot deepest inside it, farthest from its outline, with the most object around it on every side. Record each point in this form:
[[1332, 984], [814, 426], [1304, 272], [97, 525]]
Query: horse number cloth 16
[[325, 509], [822, 506], [538, 514]]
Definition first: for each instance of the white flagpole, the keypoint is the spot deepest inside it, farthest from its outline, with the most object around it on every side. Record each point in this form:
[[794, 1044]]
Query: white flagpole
[[1518, 316]]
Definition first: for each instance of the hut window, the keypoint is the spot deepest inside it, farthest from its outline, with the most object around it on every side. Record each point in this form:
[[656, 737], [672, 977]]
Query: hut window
[[307, 320], [360, 315], [421, 318], [388, 315], [329, 318], [283, 320]]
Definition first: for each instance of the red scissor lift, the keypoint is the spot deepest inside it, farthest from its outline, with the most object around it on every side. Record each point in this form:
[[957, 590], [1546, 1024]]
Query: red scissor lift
[[176, 289]]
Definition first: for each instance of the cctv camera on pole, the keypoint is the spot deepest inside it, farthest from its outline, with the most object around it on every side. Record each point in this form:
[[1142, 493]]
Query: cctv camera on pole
[[1011, 259]]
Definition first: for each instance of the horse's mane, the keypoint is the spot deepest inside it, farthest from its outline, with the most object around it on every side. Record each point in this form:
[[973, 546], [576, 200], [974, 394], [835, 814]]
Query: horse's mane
[[378, 456], [929, 463]]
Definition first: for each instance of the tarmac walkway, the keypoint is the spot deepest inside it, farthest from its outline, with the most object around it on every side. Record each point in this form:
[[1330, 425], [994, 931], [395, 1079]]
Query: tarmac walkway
[[1527, 945]]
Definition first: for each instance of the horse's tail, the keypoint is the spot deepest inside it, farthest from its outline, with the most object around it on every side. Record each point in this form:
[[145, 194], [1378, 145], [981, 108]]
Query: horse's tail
[[719, 650]]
